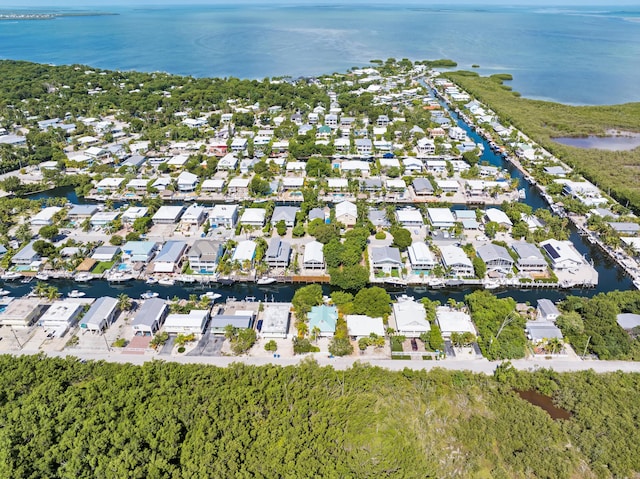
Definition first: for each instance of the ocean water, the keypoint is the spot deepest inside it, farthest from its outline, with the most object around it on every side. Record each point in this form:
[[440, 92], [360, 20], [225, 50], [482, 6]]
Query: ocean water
[[577, 55]]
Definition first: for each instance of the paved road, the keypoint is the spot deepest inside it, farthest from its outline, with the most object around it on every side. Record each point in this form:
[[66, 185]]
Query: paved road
[[477, 366]]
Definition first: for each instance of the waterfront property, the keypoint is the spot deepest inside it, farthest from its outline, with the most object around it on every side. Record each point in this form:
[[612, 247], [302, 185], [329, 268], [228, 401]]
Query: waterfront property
[[102, 313], [453, 321], [313, 257], [167, 215], [530, 258], [410, 317], [386, 259], [420, 257], [22, 312], [362, 326], [150, 317], [563, 255], [60, 316], [194, 322], [169, 257], [240, 320], [224, 216], [278, 253], [275, 320], [496, 257], [203, 256], [323, 319], [546, 310], [455, 261]]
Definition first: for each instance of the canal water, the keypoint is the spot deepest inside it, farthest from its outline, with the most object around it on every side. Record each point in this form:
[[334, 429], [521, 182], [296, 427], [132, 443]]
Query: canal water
[[611, 277]]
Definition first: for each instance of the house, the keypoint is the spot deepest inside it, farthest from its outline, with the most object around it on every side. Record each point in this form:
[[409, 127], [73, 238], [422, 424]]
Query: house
[[102, 313], [383, 120], [547, 311], [386, 259], [421, 257], [289, 183], [452, 321], [239, 145], [82, 211], [448, 186], [60, 316], [167, 215], [223, 216], [323, 319], [436, 166], [162, 183], [178, 161], [193, 323], [497, 216], [26, 255], [542, 331], [396, 185], [563, 254], [410, 217], [346, 213], [150, 317], [355, 166], [455, 261], [364, 146], [253, 217], [296, 166], [286, 214], [187, 182], [138, 184], [194, 215], [622, 228], [133, 213], [410, 317], [203, 256], [412, 165], [22, 312], [342, 144], [426, 146], [105, 253], [109, 184], [371, 185], [245, 251], [278, 253], [530, 258], [275, 320], [241, 320], [227, 162], [496, 257], [213, 185], [361, 326], [169, 257], [44, 217], [238, 186], [104, 218], [337, 184], [441, 218], [422, 186], [139, 251], [317, 213], [313, 256], [378, 218]]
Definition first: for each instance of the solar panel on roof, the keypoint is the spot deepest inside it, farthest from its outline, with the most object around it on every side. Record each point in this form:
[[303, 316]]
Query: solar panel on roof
[[551, 250]]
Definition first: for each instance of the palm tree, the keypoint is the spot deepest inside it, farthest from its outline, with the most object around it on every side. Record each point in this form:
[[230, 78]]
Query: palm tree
[[315, 333], [52, 293], [40, 290], [124, 302], [303, 329], [554, 345]]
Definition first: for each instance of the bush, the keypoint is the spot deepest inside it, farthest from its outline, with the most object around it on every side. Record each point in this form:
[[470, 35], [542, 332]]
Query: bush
[[181, 349], [271, 346], [302, 346], [340, 347], [116, 240], [380, 235], [119, 343]]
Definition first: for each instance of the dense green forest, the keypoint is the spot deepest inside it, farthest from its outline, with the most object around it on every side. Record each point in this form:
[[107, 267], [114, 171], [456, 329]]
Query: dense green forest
[[543, 121], [68, 419]]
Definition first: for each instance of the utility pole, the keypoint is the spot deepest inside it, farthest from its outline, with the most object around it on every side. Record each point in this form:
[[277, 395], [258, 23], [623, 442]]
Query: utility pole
[[584, 353], [106, 342], [16, 338]]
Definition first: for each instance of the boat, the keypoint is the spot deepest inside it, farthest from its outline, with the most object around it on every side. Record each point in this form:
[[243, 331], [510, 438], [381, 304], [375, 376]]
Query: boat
[[491, 285], [226, 281], [42, 276], [4, 292], [211, 295], [83, 277], [522, 194], [166, 281], [265, 280], [186, 278], [395, 281], [151, 280], [120, 277], [149, 295], [10, 275], [27, 279], [76, 294]]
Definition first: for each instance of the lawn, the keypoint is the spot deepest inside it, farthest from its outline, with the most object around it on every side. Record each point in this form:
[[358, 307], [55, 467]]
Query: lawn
[[102, 266]]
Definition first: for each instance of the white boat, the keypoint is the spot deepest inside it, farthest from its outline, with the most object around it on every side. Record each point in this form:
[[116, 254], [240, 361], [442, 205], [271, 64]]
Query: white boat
[[83, 277], [119, 277], [166, 282], [491, 285], [10, 275], [42, 276], [4, 292], [522, 194], [265, 280], [151, 280], [76, 294], [186, 278], [211, 295], [149, 295]]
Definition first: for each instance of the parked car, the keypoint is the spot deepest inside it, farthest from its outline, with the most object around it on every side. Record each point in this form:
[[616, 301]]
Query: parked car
[[414, 344]]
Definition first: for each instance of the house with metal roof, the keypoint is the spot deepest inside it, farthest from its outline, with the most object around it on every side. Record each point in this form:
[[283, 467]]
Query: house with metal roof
[[169, 257], [362, 326], [563, 254], [422, 186], [453, 321], [194, 215], [378, 218], [105, 253], [26, 255], [497, 216], [245, 251], [547, 310], [44, 217], [346, 213], [410, 317], [621, 227], [420, 257], [82, 211], [150, 317], [324, 318], [441, 218], [240, 320], [278, 253], [253, 217], [187, 182], [386, 259], [224, 216], [139, 251], [496, 257], [194, 322], [455, 260], [133, 213], [102, 313], [203, 256], [530, 259], [313, 255], [168, 215], [410, 217], [286, 214], [542, 331]]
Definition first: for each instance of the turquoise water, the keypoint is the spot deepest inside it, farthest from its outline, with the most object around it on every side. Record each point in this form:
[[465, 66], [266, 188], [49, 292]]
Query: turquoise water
[[573, 55]]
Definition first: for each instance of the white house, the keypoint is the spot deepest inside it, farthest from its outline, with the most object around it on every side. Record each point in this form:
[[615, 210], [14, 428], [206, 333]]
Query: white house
[[441, 218], [547, 310], [346, 213], [187, 182], [361, 326], [101, 314], [44, 217], [150, 317], [224, 216], [563, 254], [253, 217], [453, 321], [192, 323], [168, 215], [410, 218], [421, 257], [313, 256], [455, 259], [410, 318]]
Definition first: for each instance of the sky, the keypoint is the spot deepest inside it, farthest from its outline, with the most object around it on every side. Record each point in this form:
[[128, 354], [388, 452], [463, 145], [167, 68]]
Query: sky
[[133, 3]]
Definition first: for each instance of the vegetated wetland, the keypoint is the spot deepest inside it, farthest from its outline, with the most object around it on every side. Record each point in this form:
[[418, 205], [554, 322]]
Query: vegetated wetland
[[63, 418], [545, 122]]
